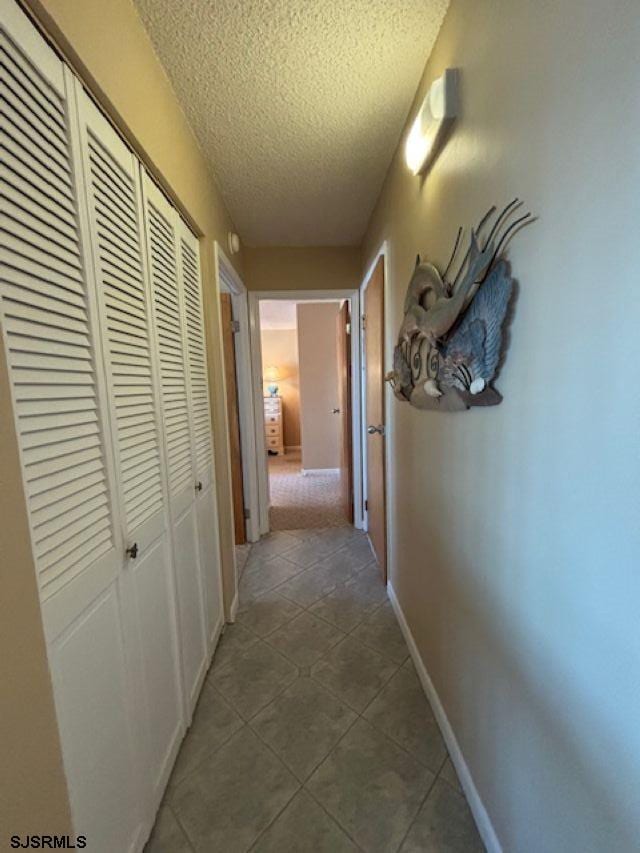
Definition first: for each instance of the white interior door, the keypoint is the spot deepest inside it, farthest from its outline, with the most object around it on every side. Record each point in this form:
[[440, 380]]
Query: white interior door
[[49, 332], [163, 256], [198, 396], [111, 185]]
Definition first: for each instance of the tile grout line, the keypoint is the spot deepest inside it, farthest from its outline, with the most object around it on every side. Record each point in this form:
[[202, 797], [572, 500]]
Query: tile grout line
[[317, 767], [182, 828], [419, 809], [290, 772], [209, 753]]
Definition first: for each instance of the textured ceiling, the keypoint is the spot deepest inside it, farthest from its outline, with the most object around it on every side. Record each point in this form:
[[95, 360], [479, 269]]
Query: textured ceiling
[[298, 104]]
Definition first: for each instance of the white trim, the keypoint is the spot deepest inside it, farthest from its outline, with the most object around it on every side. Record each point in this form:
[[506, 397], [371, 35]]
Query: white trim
[[288, 447], [256, 359], [389, 411], [305, 471], [240, 305], [258, 414], [480, 814], [233, 610]]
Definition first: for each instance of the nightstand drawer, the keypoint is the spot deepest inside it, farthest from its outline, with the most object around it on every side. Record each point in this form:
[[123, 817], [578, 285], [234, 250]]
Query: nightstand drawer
[[272, 430], [272, 419], [273, 442]]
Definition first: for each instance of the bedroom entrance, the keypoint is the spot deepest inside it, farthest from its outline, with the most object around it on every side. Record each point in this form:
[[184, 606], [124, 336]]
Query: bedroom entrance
[[304, 366]]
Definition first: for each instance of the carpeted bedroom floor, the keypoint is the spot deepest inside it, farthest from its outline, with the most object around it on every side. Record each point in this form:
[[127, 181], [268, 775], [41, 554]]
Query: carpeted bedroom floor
[[302, 501]]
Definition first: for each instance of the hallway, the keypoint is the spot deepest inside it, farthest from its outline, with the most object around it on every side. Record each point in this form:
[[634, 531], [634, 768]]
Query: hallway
[[370, 238], [312, 732]]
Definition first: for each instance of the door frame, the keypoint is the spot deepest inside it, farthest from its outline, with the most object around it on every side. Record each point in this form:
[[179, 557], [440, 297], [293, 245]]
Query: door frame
[[231, 283], [328, 295], [389, 411]]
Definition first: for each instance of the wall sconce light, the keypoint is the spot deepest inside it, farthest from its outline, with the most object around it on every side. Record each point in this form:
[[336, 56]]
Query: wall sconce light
[[234, 242], [272, 375], [436, 113]]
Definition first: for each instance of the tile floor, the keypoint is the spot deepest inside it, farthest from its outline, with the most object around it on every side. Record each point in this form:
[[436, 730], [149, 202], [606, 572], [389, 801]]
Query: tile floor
[[312, 732]]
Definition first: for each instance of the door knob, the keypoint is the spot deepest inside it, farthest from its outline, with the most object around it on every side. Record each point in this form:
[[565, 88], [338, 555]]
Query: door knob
[[198, 486], [132, 552], [372, 430], [335, 411]]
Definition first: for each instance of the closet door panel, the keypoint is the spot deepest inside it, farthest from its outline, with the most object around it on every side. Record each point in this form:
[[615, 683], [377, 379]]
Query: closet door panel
[[48, 333], [161, 240], [111, 183], [210, 561], [49, 330], [163, 254], [152, 581], [198, 394], [89, 675], [190, 596], [196, 350]]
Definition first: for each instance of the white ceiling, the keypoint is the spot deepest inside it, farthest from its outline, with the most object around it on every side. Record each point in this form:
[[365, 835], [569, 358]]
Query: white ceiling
[[298, 104]]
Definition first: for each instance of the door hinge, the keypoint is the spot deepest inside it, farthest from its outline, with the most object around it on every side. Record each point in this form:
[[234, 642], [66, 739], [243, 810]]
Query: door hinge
[[364, 322], [347, 328], [235, 326], [247, 512], [366, 504]]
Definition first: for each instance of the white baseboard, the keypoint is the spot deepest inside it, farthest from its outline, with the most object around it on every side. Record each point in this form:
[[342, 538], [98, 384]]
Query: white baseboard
[[482, 819], [233, 610], [305, 471], [214, 639]]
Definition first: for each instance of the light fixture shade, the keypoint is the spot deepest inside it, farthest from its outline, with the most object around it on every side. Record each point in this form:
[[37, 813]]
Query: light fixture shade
[[234, 242], [271, 374], [437, 110]]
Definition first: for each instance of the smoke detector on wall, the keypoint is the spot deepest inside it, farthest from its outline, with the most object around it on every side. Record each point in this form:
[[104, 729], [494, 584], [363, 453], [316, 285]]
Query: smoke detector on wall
[[234, 242]]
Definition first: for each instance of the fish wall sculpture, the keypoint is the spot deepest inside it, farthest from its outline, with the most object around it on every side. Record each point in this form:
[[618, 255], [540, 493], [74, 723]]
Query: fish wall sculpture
[[450, 342]]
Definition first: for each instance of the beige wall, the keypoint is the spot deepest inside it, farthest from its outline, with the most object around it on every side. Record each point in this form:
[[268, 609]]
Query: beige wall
[[109, 46], [302, 268], [33, 790], [516, 543], [318, 384], [280, 348]]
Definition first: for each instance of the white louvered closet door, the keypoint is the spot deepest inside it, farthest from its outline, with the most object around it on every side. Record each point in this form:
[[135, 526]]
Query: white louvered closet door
[[49, 331], [161, 221], [111, 183], [198, 395]]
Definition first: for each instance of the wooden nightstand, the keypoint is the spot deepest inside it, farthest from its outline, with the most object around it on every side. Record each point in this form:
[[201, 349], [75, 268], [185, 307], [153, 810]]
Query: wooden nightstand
[[273, 424]]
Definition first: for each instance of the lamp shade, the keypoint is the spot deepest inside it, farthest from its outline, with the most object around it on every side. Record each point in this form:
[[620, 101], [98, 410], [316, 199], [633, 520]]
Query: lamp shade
[[271, 374]]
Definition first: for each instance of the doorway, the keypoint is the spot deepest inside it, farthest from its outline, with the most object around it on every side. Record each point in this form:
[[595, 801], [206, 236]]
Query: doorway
[[305, 357], [236, 354]]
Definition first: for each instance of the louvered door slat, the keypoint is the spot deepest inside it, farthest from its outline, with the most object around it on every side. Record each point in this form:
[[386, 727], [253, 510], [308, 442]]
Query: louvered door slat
[[20, 69], [197, 365], [164, 278], [118, 251], [47, 327], [19, 153]]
